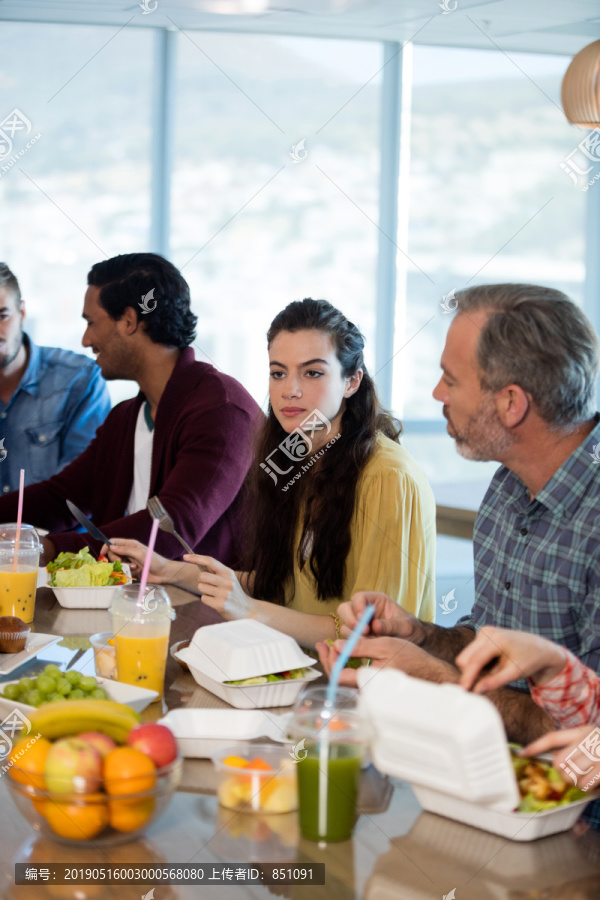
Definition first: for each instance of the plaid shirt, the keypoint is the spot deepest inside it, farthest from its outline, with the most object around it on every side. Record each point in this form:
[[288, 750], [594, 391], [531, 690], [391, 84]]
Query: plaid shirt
[[572, 697], [537, 562]]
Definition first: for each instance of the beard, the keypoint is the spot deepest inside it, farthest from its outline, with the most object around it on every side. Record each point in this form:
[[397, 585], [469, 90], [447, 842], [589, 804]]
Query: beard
[[11, 350], [484, 437]]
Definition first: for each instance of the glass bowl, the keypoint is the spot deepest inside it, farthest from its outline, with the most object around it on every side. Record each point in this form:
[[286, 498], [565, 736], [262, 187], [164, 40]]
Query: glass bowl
[[90, 815]]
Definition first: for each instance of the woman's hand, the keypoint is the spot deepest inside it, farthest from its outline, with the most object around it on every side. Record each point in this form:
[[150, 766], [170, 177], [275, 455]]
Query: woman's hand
[[585, 771], [389, 619], [134, 554], [518, 654], [221, 589]]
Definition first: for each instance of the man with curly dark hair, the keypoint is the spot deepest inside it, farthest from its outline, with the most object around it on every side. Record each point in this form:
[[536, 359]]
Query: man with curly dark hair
[[186, 437]]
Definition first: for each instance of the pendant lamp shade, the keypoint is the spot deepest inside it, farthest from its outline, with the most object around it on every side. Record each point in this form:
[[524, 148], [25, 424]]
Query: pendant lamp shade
[[581, 88]]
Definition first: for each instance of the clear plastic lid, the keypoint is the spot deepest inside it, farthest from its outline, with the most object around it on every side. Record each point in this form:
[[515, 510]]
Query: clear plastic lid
[[153, 604], [28, 538]]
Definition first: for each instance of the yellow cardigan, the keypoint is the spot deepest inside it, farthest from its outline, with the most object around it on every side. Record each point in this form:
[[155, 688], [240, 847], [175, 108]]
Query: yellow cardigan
[[392, 539]]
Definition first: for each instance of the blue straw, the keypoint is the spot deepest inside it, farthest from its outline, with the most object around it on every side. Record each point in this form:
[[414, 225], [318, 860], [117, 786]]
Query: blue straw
[[346, 652]]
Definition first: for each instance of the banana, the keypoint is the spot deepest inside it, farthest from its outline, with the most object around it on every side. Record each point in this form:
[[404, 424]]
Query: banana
[[66, 717]]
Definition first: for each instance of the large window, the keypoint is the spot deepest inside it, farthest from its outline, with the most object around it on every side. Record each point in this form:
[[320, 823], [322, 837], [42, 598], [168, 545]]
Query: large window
[[488, 202], [255, 223], [80, 191]]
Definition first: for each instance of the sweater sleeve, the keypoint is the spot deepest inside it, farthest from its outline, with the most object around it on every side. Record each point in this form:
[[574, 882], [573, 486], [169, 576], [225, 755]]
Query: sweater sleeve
[[395, 541], [572, 697], [212, 458], [44, 503]]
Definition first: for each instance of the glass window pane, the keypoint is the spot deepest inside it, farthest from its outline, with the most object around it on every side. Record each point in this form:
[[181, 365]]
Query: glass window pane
[[81, 191], [255, 223], [489, 202]]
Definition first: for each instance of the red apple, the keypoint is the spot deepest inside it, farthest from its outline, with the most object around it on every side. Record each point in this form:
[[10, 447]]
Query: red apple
[[156, 741], [102, 742], [73, 765]]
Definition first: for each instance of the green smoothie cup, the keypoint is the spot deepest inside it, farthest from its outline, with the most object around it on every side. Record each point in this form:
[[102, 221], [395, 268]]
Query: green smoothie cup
[[330, 745]]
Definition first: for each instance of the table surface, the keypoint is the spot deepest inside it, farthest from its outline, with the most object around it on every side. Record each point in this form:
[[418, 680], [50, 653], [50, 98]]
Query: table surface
[[397, 851]]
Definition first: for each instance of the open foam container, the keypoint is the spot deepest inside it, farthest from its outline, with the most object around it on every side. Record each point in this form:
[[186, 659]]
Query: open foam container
[[451, 746], [232, 651], [202, 732]]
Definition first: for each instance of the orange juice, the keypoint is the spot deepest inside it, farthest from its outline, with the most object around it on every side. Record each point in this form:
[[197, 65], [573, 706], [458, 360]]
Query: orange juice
[[142, 660], [17, 592]]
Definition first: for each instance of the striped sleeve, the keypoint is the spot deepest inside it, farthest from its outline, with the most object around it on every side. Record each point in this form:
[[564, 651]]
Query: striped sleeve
[[573, 696]]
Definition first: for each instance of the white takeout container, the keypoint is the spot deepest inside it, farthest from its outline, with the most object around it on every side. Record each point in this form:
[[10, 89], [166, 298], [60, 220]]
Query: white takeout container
[[202, 732], [135, 697], [451, 746], [231, 651]]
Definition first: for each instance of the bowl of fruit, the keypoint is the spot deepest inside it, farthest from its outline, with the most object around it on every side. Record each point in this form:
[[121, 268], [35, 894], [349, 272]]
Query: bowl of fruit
[[89, 771]]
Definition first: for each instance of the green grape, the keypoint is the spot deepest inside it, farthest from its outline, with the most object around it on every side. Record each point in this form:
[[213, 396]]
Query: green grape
[[45, 684], [11, 691], [32, 698], [26, 684], [50, 698], [52, 670], [88, 683], [99, 694], [73, 677], [63, 687], [77, 694]]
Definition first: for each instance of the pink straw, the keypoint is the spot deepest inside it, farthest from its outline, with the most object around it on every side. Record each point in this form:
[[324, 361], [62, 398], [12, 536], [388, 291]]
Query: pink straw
[[19, 516], [146, 569]]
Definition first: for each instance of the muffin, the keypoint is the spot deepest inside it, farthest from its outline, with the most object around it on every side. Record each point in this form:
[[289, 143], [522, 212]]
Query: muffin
[[13, 634]]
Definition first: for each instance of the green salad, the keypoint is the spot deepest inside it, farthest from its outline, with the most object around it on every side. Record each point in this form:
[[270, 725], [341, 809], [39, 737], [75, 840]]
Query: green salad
[[265, 679], [541, 786], [83, 570]]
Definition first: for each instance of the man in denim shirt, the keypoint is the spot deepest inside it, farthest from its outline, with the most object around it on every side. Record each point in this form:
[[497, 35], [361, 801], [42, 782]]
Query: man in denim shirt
[[51, 400]]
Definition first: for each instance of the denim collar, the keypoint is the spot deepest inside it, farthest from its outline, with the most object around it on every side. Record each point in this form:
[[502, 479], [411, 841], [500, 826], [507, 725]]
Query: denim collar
[[30, 381]]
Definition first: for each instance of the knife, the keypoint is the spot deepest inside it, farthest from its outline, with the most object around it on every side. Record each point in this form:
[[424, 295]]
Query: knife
[[87, 524]]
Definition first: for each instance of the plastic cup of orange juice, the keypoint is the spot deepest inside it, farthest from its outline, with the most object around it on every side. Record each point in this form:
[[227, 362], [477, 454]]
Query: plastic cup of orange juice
[[141, 633], [18, 571]]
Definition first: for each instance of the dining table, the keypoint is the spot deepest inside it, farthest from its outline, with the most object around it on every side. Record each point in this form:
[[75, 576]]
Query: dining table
[[397, 851]]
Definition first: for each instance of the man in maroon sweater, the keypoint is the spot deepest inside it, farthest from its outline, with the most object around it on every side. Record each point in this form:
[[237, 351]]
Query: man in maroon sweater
[[187, 436]]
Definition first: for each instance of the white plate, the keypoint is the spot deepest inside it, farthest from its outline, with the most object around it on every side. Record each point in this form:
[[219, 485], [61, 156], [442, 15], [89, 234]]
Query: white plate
[[135, 697], [35, 642]]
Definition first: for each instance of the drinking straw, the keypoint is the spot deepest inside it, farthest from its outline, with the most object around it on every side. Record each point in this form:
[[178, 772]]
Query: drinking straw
[[147, 561], [19, 517], [346, 652], [329, 698]]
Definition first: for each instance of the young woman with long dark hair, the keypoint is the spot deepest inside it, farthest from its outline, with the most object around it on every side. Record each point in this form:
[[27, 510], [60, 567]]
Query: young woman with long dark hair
[[334, 504]]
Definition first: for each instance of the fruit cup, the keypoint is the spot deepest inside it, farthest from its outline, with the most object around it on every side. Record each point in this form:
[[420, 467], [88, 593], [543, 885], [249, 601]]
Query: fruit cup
[[256, 778], [18, 571], [105, 654], [141, 628]]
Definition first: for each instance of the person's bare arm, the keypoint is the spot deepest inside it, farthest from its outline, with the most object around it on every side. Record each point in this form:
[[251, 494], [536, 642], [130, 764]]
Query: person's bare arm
[[444, 643], [524, 721]]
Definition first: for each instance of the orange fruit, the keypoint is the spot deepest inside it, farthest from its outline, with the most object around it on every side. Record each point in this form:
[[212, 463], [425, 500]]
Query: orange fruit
[[259, 765], [80, 820], [235, 761], [128, 771], [129, 815], [28, 763]]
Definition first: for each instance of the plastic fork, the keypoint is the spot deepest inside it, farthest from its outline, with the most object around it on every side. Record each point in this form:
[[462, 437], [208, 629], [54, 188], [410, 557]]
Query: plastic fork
[[165, 523]]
